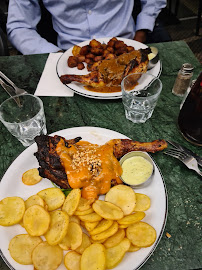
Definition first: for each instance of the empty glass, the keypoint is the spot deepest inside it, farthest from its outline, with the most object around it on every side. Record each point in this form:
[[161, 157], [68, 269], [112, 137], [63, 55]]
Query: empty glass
[[24, 122], [140, 93]]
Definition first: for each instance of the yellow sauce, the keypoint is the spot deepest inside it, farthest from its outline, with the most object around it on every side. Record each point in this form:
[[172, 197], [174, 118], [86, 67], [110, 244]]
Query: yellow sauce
[[104, 89], [90, 167], [136, 170], [151, 56]]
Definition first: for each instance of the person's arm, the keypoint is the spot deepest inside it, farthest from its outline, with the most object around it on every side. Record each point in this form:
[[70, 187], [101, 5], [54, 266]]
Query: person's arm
[[150, 9], [23, 17]]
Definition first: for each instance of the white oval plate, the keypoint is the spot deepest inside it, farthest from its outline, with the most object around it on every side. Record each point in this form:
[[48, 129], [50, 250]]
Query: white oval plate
[[62, 68], [11, 185]]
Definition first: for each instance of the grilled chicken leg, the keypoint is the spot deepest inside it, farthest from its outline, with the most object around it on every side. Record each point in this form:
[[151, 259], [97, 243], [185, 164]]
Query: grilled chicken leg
[[51, 166], [111, 72]]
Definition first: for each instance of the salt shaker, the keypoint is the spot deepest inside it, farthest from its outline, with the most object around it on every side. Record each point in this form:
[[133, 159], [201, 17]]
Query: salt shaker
[[183, 80]]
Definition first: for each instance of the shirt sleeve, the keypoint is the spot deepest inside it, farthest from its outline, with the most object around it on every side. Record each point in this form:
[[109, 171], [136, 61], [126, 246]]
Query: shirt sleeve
[[23, 17], [150, 10]]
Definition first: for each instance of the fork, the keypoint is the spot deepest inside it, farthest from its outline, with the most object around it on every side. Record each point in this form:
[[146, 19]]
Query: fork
[[17, 90], [188, 160]]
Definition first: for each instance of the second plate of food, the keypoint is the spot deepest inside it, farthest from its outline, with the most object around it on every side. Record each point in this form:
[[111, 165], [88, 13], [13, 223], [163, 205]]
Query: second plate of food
[[62, 68]]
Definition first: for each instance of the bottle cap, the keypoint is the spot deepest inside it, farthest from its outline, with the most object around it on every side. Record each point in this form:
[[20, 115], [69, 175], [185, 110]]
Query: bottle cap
[[187, 68]]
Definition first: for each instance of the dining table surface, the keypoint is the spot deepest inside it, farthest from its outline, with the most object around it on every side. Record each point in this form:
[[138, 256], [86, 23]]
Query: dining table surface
[[180, 246]]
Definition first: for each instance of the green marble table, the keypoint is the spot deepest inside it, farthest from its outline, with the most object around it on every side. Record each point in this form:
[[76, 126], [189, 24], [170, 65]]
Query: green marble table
[[183, 249]]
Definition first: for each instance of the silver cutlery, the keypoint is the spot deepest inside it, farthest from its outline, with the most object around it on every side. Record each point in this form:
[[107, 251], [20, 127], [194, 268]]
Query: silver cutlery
[[187, 151], [10, 91], [188, 160], [18, 91]]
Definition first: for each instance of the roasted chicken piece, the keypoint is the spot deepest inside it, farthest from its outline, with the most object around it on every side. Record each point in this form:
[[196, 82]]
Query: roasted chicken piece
[[111, 72], [79, 164], [49, 161]]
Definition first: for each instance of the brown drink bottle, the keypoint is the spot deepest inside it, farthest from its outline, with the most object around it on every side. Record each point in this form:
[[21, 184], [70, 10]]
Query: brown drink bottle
[[190, 116]]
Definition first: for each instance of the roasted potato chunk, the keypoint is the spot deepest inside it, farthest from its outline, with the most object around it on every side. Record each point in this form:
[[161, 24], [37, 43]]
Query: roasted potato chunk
[[80, 66], [94, 43], [72, 61], [85, 50], [76, 50]]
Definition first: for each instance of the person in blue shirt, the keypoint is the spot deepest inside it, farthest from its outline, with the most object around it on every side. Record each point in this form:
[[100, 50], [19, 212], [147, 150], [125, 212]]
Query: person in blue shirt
[[77, 21]]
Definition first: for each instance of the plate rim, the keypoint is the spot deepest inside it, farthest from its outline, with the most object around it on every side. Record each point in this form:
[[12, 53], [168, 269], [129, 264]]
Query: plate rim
[[94, 96], [162, 178]]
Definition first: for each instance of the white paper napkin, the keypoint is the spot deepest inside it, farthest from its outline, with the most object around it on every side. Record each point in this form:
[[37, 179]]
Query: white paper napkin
[[49, 83]]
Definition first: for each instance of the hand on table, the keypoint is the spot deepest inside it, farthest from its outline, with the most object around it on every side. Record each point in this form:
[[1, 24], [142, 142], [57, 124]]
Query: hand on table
[[141, 36]]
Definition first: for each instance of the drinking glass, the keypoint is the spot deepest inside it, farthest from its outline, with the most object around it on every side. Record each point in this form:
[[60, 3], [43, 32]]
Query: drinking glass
[[24, 122], [140, 93]]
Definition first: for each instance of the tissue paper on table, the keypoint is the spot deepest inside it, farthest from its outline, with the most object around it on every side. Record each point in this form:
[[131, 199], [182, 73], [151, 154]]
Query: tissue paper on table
[[49, 83]]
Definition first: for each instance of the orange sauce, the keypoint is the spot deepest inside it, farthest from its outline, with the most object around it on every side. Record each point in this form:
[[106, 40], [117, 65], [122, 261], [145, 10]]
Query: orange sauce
[[104, 89], [90, 167]]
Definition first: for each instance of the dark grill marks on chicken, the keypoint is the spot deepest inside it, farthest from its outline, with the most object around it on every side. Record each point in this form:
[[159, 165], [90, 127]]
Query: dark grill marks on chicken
[[52, 168], [49, 161]]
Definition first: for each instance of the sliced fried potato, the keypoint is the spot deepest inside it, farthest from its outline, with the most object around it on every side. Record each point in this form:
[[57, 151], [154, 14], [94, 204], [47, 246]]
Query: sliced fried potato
[[103, 225], [107, 210], [53, 197], [124, 226], [141, 234], [107, 233], [84, 244], [93, 217], [123, 196], [34, 199], [90, 225], [97, 241], [72, 201], [115, 239], [85, 212], [114, 255], [84, 204], [47, 257], [130, 219], [21, 247], [74, 219], [93, 258], [36, 220], [72, 260], [11, 210], [133, 248], [143, 202], [73, 238], [31, 177], [58, 227]]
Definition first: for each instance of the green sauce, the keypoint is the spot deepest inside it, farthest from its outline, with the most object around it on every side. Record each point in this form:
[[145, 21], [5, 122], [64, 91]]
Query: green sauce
[[136, 170]]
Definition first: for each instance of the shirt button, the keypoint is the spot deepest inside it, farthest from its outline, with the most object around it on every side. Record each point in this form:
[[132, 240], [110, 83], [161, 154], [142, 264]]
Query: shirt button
[[90, 12]]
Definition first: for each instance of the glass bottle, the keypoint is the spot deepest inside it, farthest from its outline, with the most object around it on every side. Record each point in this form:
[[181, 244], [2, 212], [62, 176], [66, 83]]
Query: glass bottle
[[183, 80], [190, 116]]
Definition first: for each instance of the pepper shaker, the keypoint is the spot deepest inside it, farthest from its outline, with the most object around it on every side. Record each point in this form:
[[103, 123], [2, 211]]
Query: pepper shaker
[[183, 80]]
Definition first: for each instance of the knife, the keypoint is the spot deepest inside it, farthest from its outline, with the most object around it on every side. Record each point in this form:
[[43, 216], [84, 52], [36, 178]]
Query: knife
[[10, 91], [187, 151]]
